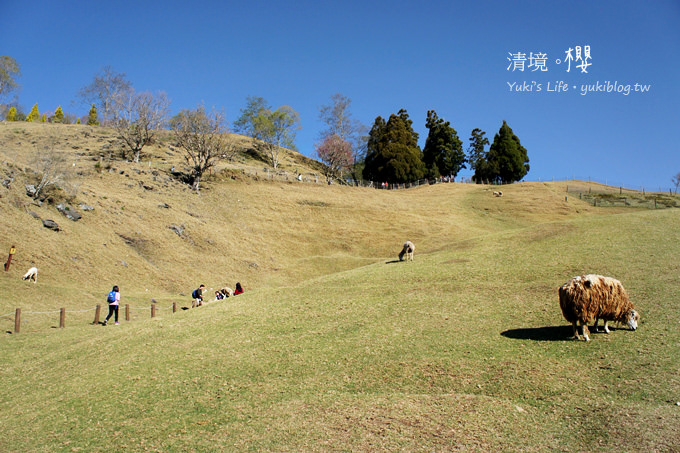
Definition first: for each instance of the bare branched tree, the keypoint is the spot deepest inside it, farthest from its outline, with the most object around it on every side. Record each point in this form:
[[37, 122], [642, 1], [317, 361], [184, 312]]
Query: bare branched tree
[[336, 153], [339, 122], [9, 72], [106, 86], [137, 117], [676, 182], [52, 168], [202, 137]]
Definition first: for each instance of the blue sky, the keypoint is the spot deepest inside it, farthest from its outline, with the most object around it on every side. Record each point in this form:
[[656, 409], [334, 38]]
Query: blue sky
[[447, 56]]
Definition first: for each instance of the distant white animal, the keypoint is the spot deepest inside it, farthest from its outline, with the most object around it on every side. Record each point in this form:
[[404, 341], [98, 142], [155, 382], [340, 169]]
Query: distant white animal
[[32, 274], [407, 250], [498, 194], [590, 298]]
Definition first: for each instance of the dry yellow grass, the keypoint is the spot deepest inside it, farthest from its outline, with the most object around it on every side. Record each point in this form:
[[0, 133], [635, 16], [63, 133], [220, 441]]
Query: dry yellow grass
[[261, 232]]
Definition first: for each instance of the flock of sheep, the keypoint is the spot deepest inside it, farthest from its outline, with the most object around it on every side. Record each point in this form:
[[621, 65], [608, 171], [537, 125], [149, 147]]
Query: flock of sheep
[[583, 299]]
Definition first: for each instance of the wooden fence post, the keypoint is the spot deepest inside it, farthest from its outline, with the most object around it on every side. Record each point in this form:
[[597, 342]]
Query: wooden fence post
[[97, 314], [174, 307], [17, 321], [153, 310], [127, 312], [62, 318]]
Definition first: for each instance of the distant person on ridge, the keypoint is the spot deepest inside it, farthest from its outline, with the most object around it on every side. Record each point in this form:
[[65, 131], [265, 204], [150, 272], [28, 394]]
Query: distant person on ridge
[[238, 290]]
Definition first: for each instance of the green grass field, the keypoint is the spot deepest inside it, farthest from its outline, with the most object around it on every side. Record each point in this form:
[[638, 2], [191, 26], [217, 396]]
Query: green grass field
[[336, 346]]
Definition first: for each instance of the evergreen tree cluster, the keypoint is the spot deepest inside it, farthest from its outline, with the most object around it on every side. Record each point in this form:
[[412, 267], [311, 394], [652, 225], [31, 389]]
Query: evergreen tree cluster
[[14, 114], [506, 161], [393, 154]]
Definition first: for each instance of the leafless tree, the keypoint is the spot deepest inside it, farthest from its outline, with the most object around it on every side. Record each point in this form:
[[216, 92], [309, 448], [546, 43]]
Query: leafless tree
[[137, 117], [9, 72], [52, 168], [339, 121], [336, 153], [106, 86], [202, 137], [676, 182]]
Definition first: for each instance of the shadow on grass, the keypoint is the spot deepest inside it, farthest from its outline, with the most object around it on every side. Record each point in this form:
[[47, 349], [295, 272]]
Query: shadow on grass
[[393, 261], [551, 333]]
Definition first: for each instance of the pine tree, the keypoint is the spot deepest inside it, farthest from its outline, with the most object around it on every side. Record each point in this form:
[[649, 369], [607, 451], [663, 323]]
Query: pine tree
[[477, 155], [34, 115], [12, 114], [507, 158], [58, 115], [43, 118], [443, 152], [393, 154], [92, 117]]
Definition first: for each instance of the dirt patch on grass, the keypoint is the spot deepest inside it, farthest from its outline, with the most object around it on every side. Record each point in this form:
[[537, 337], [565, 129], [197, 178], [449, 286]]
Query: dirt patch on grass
[[548, 231]]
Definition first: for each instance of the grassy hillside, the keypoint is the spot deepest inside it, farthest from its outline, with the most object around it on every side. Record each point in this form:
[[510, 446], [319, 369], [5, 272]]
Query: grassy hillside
[[334, 346], [156, 239]]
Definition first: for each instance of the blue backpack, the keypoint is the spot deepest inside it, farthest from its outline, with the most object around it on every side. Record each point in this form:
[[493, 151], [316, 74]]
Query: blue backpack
[[112, 297]]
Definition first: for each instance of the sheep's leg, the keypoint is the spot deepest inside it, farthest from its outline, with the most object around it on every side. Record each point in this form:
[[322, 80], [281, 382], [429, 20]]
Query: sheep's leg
[[584, 331], [606, 329], [595, 328], [575, 337]]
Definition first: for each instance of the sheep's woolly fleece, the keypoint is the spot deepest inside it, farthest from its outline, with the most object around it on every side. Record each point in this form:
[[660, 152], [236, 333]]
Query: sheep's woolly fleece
[[590, 297]]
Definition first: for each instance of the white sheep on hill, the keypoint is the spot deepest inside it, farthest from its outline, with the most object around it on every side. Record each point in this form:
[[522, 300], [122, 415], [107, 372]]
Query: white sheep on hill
[[407, 250], [32, 274]]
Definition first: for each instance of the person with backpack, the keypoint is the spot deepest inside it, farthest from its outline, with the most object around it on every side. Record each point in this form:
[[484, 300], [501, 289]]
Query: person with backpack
[[114, 302], [198, 295]]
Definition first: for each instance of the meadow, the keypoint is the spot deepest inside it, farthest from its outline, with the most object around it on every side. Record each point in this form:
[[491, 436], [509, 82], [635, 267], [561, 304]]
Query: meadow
[[336, 345]]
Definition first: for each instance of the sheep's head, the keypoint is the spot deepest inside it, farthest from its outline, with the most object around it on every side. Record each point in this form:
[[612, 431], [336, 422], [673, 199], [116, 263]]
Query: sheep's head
[[633, 318]]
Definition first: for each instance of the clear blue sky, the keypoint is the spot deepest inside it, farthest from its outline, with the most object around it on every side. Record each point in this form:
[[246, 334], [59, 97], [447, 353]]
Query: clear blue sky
[[448, 56]]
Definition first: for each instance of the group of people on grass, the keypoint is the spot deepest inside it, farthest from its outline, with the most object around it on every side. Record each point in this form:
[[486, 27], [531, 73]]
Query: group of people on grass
[[113, 298], [220, 294]]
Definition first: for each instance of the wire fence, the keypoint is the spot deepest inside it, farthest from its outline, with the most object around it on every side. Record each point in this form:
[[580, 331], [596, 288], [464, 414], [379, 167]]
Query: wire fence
[[35, 321], [576, 184]]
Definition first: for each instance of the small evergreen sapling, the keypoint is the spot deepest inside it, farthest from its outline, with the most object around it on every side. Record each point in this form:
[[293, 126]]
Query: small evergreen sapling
[[34, 115]]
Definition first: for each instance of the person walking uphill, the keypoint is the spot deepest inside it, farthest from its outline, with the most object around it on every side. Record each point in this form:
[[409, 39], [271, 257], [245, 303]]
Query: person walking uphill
[[114, 302]]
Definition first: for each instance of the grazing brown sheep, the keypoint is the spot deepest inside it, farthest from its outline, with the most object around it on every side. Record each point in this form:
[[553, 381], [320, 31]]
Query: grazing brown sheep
[[408, 250], [593, 297]]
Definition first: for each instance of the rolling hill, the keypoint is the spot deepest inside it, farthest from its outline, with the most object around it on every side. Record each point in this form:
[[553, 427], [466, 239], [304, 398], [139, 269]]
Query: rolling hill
[[335, 346]]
